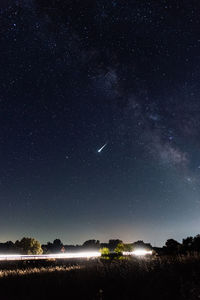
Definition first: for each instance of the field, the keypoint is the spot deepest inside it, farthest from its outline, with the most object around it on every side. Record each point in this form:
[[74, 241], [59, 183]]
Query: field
[[158, 278]]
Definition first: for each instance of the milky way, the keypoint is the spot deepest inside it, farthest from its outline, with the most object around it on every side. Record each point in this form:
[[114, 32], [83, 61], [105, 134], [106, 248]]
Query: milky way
[[75, 74]]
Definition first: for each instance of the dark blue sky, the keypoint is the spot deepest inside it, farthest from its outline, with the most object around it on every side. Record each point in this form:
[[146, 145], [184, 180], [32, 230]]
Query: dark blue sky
[[76, 75]]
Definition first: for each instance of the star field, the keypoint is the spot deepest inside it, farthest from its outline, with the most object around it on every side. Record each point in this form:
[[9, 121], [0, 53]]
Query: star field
[[76, 75]]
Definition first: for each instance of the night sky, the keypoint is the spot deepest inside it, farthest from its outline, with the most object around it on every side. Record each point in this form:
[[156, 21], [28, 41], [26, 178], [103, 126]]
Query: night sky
[[77, 75]]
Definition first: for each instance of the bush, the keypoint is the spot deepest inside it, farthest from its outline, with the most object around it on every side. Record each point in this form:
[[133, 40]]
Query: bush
[[29, 246]]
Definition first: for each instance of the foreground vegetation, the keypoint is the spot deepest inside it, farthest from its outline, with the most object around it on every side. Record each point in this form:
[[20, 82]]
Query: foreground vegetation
[[157, 278]]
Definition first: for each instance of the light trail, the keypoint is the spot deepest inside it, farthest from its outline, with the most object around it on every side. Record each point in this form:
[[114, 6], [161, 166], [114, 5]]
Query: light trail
[[50, 256], [91, 254], [139, 252]]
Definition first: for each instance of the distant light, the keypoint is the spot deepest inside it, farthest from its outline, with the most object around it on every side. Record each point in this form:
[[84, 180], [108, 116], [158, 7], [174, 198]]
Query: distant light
[[139, 252]]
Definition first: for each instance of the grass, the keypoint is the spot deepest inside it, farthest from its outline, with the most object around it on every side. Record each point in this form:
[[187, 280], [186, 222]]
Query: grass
[[42, 270], [159, 278]]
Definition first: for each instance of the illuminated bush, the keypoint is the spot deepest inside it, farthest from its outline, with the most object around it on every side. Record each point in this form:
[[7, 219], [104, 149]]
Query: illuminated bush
[[104, 251], [120, 248], [29, 246]]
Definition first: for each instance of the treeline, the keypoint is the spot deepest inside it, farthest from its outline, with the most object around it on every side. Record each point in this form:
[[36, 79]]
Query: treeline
[[189, 244], [32, 246], [24, 246], [93, 245]]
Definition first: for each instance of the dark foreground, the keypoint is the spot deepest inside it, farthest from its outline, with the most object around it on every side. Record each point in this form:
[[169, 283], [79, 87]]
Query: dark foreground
[[160, 278]]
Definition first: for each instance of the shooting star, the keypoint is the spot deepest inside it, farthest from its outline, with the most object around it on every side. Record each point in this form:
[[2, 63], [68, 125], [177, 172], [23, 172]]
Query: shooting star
[[99, 150]]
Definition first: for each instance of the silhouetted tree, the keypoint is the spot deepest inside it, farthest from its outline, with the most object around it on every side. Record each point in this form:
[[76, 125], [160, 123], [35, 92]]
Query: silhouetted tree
[[7, 247], [91, 244], [113, 244], [128, 247], [57, 243], [56, 246], [104, 245], [141, 244], [187, 244], [196, 243], [188, 241], [49, 247], [172, 246]]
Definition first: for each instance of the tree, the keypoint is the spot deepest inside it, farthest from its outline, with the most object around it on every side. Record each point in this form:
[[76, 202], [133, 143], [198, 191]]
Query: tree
[[48, 248], [57, 245], [104, 251], [172, 246], [141, 244], [188, 242], [7, 247], [120, 248], [128, 247], [29, 246], [92, 244], [196, 243], [113, 244]]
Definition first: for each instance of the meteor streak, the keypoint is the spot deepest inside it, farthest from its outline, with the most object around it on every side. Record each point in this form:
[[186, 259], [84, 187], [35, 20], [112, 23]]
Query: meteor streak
[[99, 150]]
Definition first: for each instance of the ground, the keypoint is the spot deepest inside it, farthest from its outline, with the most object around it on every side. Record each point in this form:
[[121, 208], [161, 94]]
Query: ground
[[158, 278]]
